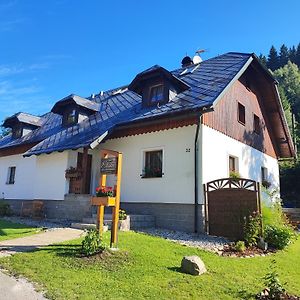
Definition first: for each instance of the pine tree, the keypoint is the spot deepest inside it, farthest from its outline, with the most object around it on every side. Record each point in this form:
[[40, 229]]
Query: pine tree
[[283, 55], [297, 62], [263, 60], [4, 132], [273, 59], [292, 54]]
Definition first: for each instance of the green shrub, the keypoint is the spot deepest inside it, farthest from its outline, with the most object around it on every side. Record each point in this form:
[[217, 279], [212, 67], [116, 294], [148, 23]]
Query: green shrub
[[274, 215], [92, 243], [240, 246], [122, 214], [278, 236], [252, 229], [4, 209]]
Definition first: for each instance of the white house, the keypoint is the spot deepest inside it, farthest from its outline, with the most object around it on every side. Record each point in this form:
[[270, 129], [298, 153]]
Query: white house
[[176, 130]]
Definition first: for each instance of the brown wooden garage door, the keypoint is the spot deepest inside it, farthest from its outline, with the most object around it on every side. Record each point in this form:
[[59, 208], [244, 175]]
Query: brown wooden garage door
[[227, 203]]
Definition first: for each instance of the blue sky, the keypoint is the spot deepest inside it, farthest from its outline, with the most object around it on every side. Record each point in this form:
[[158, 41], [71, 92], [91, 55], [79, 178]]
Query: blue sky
[[52, 48]]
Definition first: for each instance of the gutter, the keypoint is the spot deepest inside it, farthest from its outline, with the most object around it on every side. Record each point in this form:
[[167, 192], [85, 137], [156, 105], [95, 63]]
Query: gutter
[[196, 164]]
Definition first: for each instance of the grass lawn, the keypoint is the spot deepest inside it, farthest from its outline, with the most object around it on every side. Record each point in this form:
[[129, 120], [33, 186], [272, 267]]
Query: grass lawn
[[147, 268], [9, 230]]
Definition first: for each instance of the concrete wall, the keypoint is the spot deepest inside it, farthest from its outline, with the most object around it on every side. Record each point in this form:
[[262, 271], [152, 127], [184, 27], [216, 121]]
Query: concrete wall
[[50, 182], [216, 149], [24, 186], [177, 183]]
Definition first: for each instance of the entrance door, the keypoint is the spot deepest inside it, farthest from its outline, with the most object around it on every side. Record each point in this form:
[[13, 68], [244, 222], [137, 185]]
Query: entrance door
[[87, 172]]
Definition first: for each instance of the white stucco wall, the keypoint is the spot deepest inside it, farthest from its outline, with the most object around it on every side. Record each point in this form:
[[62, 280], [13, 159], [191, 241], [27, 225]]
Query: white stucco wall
[[177, 183], [23, 188], [216, 149], [50, 182]]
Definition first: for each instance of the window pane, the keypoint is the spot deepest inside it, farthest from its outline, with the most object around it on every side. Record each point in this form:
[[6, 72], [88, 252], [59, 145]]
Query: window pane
[[256, 124], [264, 174], [232, 164], [11, 175], [153, 164], [71, 117], [241, 113], [157, 93]]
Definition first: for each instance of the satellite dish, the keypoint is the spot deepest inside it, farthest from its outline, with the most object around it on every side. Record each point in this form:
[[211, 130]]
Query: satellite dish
[[197, 59]]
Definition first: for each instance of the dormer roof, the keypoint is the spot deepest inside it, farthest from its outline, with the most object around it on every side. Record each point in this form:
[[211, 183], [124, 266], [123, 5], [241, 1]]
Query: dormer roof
[[156, 71], [85, 104], [23, 118]]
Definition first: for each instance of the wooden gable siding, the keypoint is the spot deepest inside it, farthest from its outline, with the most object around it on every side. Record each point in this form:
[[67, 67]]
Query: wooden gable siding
[[224, 118]]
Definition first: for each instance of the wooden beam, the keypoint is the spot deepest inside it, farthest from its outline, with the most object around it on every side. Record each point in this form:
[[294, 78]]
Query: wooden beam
[[116, 208], [84, 170]]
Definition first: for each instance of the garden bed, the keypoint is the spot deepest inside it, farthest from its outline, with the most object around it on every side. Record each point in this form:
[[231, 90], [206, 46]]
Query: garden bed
[[230, 251]]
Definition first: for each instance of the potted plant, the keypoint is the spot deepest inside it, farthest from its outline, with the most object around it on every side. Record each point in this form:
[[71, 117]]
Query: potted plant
[[234, 175], [104, 196]]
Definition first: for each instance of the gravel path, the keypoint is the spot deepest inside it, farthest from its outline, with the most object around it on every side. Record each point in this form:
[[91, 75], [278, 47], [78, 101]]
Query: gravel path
[[203, 241], [17, 289]]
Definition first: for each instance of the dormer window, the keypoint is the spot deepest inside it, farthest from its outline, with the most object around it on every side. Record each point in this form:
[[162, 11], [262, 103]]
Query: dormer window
[[157, 93], [157, 85], [70, 117], [74, 109], [17, 132], [22, 124]]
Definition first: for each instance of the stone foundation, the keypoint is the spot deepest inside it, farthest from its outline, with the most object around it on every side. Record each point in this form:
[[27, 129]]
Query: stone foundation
[[77, 207], [74, 207], [169, 215]]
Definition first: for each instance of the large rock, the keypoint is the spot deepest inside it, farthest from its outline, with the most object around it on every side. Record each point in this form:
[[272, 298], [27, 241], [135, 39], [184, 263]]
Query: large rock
[[192, 265]]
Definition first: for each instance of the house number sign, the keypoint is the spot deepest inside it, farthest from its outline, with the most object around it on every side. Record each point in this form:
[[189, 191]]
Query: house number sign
[[109, 165]]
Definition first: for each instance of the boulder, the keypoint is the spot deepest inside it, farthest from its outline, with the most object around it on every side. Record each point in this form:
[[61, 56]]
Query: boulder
[[192, 265]]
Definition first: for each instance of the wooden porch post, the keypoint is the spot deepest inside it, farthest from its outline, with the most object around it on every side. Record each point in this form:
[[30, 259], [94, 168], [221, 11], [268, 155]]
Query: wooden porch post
[[84, 170]]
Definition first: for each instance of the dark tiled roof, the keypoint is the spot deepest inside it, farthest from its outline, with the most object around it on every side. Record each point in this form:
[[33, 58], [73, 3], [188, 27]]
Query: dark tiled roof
[[119, 106]]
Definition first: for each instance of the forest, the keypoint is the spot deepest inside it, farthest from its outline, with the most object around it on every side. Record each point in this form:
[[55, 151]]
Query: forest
[[284, 64]]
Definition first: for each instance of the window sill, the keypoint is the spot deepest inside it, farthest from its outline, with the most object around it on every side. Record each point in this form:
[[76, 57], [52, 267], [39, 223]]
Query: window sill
[[244, 124], [147, 177], [10, 183]]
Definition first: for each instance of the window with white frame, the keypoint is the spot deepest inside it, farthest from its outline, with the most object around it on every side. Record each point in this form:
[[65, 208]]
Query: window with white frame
[[264, 174], [233, 164], [152, 164], [11, 174]]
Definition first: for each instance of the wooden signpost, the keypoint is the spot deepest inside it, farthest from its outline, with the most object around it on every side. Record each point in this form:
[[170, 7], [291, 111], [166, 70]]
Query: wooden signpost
[[111, 164]]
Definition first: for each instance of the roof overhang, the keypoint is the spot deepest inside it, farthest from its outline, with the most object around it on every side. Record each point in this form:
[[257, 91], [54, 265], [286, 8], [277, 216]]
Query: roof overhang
[[22, 118]]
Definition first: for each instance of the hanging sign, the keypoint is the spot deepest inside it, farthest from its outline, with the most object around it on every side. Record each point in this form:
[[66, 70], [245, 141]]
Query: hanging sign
[[109, 165]]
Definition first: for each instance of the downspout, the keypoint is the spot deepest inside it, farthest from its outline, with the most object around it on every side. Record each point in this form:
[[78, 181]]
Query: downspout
[[196, 173], [196, 165]]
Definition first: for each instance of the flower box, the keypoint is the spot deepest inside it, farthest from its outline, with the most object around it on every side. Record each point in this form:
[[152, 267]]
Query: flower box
[[105, 201], [73, 173]]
